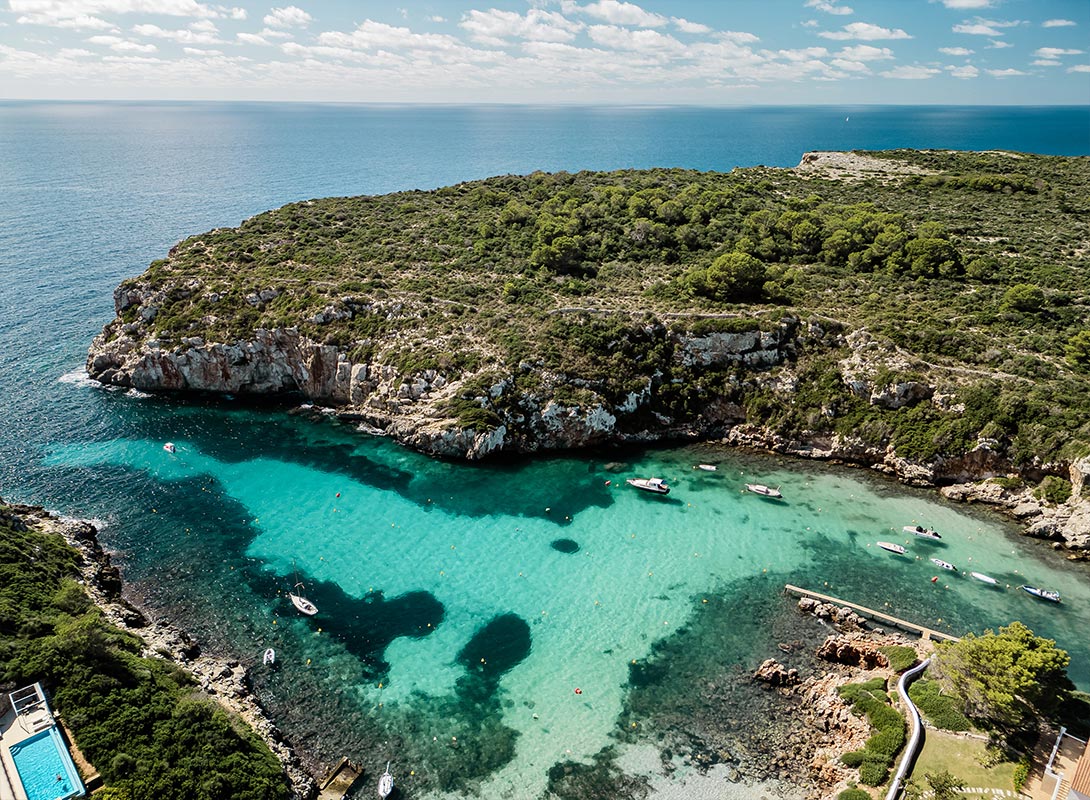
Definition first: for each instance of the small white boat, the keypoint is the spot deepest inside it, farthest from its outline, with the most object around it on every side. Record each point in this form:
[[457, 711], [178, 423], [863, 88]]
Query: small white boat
[[921, 531], [269, 658], [299, 600], [938, 562], [1044, 594], [169, 447], [764, 491], [988, 579], [706, 467], [655, 485], [385, 782], [893, 548]]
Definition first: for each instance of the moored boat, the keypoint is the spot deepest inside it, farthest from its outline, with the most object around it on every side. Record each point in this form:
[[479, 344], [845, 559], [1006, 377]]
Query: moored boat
[[938, 562], [706, 467], [921, 531], [988, 579], [764, 491], [893, 548], [654, 485], [299, 600], [385, 782], [1044, 594], [269, 658], [169, 447]]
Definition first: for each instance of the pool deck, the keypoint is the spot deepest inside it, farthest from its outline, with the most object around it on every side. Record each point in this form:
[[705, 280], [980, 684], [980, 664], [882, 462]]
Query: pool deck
[[12, 731]]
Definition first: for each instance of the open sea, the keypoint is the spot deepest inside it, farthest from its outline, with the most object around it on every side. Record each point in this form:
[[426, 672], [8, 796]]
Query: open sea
[[461, 606]]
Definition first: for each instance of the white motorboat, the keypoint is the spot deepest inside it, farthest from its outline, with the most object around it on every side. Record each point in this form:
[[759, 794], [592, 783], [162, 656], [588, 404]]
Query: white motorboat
[[385, 782], [655, 485], [169, 447], [921, 531], [706, 467], [299, 600], [763, 491], [938, 562], [269, 658], [988, 579], [893, 548], [1044, 594]]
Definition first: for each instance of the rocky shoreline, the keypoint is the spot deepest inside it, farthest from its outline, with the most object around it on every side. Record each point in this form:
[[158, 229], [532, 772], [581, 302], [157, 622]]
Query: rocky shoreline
[[224, 681]]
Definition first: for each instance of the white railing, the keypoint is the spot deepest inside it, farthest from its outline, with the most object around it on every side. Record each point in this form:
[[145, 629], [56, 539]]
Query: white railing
[[914, 741]]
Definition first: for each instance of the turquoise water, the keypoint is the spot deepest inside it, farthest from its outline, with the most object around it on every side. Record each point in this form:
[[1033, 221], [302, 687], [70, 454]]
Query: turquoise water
[[45, 768], [423, 568], [443, 600]]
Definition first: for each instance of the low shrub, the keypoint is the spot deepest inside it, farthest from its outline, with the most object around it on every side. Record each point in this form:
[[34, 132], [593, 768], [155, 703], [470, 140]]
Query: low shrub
[[874, 773], [900, 656], [940, 709], [854, 794], [876, 757], [1053, 490]]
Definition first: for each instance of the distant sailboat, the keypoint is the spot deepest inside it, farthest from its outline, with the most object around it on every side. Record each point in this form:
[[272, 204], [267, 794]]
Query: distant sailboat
[[299, 599]]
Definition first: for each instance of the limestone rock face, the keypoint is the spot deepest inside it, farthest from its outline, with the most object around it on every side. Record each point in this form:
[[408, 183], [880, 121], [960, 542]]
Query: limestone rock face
[[852, 651], [774, 673]]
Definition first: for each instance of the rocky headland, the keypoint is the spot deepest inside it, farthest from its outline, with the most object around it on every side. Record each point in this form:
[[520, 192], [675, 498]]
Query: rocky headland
[[497, 325]]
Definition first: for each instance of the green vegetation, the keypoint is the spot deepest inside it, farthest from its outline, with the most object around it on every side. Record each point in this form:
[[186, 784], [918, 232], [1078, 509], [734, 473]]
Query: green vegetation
[[973, 269], [940, 709], [854, 794], [1021, 774], [1005, 679], [969, 760], [900, 656], [140, 721], [874, 760]]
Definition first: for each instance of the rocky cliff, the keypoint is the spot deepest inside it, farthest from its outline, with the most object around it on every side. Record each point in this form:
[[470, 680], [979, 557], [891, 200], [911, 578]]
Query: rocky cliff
[[744, 308]]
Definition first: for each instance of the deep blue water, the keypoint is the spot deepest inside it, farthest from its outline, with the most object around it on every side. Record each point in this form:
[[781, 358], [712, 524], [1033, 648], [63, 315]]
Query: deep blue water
[[90, 193]]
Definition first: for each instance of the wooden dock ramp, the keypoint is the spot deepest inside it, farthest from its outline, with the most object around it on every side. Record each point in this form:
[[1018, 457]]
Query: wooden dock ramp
[[340, 781], [869, 613]]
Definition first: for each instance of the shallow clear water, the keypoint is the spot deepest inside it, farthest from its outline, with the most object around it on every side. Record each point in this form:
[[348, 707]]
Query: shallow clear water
[[455, 624]]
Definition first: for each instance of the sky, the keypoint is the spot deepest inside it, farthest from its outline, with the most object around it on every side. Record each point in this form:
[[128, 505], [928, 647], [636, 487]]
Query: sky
[[704, 52]]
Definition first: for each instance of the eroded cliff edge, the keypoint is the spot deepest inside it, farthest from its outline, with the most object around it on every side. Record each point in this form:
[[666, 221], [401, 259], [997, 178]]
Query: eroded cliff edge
[[879, 309]]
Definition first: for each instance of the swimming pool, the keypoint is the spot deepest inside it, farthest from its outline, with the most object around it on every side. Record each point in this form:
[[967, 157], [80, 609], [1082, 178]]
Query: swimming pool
[[46, 768]]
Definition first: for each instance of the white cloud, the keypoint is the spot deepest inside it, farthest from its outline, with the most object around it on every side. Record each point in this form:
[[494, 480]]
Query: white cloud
[[237, 13], [956, 51], [685, 26], [964, 71], [122, 45], [999, 44], [984, 27], [617, 12], [1079, 68], [737, 37], [377, 36], [74, 52], [196, 51], [849, 66], [1005, 73], [828, 8], [962, 4], [1046, 62], [810, 23], [1055, 52], [287, 17], [865, 52], [911, 73], [89, 13], [865, 31], [1057, 23], [493, 27], [628, 39], [252, 38], [182, 36], [437, 18]]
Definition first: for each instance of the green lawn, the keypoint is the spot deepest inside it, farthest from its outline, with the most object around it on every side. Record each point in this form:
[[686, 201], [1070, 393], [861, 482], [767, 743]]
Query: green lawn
[[963, 758]]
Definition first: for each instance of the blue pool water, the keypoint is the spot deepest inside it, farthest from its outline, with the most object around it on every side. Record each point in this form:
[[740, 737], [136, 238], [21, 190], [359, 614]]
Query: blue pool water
[[45, 768]]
